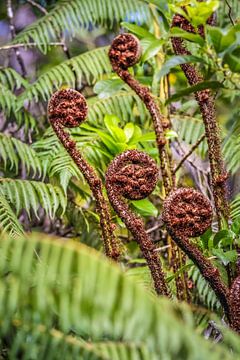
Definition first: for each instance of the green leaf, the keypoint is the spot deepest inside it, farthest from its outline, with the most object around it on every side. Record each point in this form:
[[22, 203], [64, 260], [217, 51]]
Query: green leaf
[[106, 88], [225, 237], [192, 89], [226, 257], [111, 122], [177, 32], [235, 227], [232, 58], [129, 131], [138, 30], [152, 49], [175, 61], [144, 207]]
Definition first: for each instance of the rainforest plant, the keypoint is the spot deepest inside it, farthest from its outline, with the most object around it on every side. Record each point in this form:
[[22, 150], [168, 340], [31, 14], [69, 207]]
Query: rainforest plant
[[119, 131]]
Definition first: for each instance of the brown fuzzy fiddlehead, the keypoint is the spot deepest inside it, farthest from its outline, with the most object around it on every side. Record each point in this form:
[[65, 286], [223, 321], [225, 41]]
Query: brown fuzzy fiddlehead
[[125, 52], [188, 213], [207, 107], [133, 175], [68, 108]]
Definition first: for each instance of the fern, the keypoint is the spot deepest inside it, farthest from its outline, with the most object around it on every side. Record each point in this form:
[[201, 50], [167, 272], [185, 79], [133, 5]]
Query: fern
[[125, 104], [91, 65], [231, 148], [8, 220], [76, 14], [57, 287], [14, 153], [235, 207], [30, 195], [8, 104], [11, 79]]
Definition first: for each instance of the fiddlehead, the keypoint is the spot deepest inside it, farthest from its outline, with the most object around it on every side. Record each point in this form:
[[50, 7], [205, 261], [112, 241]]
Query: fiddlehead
[[133, 175], [207, 107], [124, 52], [68, 108], [188, 213]]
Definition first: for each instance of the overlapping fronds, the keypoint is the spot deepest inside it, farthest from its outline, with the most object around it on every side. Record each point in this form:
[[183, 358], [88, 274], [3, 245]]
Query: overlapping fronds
[[235, 207], [76, 14], [125, 104], [91, 66], [8, 220], [231, 149], [11, 79], [8, 104], [14, 154], [58, 287], [30, 195]]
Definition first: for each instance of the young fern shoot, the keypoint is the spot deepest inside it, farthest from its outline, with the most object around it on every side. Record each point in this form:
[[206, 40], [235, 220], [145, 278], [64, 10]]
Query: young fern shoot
[[133, 175], [207, 107], [188, 213], [125, 52], [68, 108]]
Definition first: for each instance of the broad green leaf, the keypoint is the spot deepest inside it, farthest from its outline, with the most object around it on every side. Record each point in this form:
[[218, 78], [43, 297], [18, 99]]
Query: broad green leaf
[[106, 88], [176, 32], [153, 48], [138, 30], [226, 257], [144, 207]]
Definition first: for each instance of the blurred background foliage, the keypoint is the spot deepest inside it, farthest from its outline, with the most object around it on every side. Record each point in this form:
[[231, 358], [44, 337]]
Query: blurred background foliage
[[48, 45]]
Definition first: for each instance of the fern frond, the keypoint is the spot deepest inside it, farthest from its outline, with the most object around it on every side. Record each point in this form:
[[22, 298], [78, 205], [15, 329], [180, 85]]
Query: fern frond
[[125, 104], [8, 220], [30, 195], [231, 149], [64, 288], [9, 105], [14, 153], [235, 207], [91, 66], [76, 14], [11, 79]]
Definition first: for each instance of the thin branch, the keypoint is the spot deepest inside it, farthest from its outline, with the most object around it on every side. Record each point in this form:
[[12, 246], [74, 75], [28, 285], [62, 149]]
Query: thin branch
[[61, 38], [41, 8], [13, 34], [16, 46], [230, 12], [189, 153]]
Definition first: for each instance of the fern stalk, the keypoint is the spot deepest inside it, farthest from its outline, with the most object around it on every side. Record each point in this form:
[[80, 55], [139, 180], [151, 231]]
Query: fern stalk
[[68, 108]]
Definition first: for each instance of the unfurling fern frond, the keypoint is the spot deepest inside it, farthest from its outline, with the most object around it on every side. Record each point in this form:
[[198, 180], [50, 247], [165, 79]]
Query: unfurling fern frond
[[14, 153], [76, 14], [90, 66], [30, 195], [53, 293], [8, 220]]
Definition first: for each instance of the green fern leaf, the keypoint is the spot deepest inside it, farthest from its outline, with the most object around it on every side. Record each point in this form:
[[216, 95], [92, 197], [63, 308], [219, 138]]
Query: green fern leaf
[[8, 220], [14, 152], [11, 79], [76, 14], [30, 195], [61, 287]]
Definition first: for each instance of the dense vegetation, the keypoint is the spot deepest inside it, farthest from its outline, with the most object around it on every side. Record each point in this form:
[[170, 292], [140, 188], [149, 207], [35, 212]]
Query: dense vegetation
[[98, 171]]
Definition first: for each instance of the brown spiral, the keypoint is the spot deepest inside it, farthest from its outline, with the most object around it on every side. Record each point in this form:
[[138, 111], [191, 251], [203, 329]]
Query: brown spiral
[[188, 213], [133, 175], [68, 108], [125, 51]]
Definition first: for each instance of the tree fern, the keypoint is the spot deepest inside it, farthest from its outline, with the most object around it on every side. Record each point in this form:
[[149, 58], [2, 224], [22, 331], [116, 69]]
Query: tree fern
[[30, 195], [76, 14], [57, 287], [15, 153], [8, 220]]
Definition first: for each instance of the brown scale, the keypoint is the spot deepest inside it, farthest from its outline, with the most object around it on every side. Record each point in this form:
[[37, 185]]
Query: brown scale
[[133, 175], [234, 300], [207, 107], [188, 213], [68, 108]]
